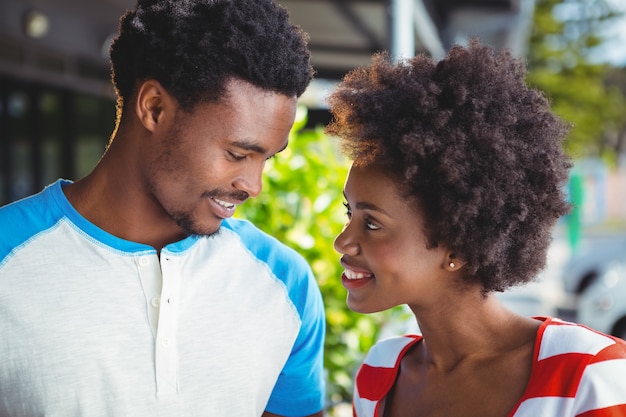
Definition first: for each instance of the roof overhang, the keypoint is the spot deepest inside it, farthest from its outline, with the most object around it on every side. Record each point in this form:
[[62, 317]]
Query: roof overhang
[[72, 52]]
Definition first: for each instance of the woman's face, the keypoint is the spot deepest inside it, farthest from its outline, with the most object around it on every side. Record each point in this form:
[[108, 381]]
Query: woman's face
[[383, 246]]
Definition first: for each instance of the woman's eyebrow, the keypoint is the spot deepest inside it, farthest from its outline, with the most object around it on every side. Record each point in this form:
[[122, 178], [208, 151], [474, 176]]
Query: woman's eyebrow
[[364, 205]]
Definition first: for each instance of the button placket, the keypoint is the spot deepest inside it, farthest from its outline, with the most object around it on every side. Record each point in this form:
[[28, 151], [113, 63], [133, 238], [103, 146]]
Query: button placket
[[166, 348], [150, 275]]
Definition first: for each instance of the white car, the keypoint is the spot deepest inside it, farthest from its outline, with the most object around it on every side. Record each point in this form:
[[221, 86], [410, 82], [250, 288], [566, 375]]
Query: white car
[[544, 296], [602, 306], [587, 262]]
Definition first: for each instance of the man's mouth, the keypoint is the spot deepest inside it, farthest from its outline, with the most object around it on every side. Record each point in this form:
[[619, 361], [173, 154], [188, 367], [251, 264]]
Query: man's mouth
[[225, 204], [222, 208]]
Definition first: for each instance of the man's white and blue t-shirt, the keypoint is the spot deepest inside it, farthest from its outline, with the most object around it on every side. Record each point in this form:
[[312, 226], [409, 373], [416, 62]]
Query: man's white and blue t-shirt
[[93, 325]]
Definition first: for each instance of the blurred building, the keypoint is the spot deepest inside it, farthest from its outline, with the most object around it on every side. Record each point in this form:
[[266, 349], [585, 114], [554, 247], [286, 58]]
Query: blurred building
[[57, 104]]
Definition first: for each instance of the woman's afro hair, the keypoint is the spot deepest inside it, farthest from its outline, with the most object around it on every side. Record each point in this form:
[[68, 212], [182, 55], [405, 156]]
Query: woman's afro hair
[[479, 150], [193, 47]]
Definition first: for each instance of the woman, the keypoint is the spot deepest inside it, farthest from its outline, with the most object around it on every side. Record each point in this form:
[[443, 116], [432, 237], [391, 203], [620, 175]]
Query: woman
[[456, 183]]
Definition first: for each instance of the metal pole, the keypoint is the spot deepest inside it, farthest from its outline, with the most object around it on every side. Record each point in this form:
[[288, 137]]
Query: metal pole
[[402, 29]]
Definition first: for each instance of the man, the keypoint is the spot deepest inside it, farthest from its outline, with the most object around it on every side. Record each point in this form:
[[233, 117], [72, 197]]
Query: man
[[132, 291]]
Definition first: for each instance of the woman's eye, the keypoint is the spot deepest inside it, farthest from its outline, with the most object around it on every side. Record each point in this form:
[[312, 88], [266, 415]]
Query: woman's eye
[[371, 225]]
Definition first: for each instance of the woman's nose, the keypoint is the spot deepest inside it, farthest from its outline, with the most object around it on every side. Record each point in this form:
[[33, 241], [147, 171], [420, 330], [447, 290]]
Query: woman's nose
[[345, 243]]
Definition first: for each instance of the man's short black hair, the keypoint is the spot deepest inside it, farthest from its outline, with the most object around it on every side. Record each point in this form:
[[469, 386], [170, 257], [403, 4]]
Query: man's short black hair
[[193, 47]]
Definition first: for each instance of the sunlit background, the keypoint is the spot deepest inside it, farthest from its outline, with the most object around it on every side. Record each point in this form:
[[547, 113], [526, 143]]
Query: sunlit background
[[57, 113]]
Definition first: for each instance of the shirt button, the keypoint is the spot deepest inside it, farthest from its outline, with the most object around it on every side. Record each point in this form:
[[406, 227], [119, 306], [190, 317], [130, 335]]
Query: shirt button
[[165, 342], [143, 261], [156, 302]]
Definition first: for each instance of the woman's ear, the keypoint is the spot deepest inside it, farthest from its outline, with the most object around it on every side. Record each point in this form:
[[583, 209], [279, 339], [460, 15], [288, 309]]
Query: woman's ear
[[453, 263], [151, 102]]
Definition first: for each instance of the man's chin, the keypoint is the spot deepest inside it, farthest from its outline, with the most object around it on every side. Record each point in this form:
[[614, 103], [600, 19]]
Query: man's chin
[[192, 228], [207, 233], [203, 231]]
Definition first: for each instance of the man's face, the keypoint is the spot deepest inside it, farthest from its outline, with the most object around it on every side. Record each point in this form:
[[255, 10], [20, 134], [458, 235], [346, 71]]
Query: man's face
[[208, 161]]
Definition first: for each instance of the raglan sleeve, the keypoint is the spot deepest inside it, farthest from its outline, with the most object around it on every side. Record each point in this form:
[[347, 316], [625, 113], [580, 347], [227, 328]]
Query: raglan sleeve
[[300, 389]]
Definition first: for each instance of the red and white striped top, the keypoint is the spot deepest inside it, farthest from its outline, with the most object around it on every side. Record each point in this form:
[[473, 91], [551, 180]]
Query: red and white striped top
[[576, 371]]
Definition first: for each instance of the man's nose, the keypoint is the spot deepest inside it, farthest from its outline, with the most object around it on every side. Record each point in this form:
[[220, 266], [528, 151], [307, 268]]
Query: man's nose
[[251, 181]]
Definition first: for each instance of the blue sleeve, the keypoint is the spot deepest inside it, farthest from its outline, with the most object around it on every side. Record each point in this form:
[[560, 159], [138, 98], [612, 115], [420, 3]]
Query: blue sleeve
[[300, 389], [21, 220]]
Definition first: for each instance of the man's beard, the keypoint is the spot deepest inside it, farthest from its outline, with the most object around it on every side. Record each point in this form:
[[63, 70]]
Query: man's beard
[[186, 222]]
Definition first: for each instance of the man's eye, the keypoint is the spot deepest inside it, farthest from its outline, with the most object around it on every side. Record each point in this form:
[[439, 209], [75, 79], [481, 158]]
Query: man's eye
[[237, 157]]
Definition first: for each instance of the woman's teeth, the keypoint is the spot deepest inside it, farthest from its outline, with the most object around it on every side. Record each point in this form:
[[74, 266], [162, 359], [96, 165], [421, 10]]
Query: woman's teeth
[[356, 275]]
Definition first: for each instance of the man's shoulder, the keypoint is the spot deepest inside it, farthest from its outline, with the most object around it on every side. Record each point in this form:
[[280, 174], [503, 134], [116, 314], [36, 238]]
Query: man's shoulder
[[245, 227], [21, 208], [282, 259], [257, 240], [32, 205], [25, 218]]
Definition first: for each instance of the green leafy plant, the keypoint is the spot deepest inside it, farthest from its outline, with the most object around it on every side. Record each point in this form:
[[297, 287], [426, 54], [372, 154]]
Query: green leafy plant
[[302, 205], [584, 93]]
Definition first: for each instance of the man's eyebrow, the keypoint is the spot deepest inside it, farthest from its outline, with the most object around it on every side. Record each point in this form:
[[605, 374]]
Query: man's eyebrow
[[250, 146]]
